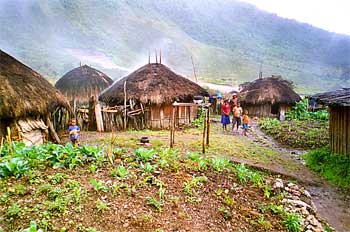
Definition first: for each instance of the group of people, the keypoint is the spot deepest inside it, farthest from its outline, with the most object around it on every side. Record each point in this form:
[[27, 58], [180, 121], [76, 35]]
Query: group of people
[[238, 116]]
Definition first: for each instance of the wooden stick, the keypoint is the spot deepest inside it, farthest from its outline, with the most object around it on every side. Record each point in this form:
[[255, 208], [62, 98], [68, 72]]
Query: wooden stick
[[172, 128], [160, 56], [155, 50], [204, 130], [125, 106], [53, 133], [208, 125], [99, 120]]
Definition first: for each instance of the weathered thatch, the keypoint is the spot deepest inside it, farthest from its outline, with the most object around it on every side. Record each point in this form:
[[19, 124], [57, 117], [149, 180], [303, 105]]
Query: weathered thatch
[[25, 93], [152, 84], [79, 84], [334, 98], [268, 90]]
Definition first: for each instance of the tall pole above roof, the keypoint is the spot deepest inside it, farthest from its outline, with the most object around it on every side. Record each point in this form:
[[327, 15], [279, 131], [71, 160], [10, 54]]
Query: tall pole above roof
[[156, 55], [160, 56], [149, 56]]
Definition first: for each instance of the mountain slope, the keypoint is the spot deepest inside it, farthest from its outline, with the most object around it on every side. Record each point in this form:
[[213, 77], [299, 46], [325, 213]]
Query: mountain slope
[[227, 39]]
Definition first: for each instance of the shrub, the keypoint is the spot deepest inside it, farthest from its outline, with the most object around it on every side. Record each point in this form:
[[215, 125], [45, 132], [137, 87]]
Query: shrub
[[332, 166]]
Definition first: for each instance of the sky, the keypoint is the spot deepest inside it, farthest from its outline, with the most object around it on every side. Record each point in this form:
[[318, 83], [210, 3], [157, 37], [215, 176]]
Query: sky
[[331, 15]]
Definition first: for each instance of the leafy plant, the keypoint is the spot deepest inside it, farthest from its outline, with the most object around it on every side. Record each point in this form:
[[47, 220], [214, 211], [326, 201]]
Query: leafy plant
[[13, 211], [220, 163], [226, 213], [292, 222], [120, 171], [148, 168], [101, 206], [32, 228], [144, 155], [98, 185], [153, 202]]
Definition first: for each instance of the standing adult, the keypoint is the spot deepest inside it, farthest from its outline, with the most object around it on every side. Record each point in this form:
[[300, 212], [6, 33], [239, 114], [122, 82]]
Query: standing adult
[[237, 113], [225, 115]]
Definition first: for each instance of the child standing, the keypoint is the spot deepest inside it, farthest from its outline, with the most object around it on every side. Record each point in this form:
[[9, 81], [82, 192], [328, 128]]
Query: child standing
[[73, 131], [225, 115], [245, 123]]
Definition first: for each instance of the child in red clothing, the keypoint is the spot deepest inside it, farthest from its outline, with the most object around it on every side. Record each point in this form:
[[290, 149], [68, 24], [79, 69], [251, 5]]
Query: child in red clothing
[[225, 115]]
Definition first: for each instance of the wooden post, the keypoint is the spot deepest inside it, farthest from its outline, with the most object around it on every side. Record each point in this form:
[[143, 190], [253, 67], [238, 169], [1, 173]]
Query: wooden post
[[99, 120], [204, 130], [208, 125], [172, 130], [125, 115], [53, 133], [92, 114]]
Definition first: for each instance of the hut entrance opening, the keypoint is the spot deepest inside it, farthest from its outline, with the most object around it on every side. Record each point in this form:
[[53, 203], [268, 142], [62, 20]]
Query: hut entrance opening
[[274, 109]]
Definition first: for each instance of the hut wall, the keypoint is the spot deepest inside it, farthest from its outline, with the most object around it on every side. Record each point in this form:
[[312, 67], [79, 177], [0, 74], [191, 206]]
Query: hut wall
[[259, 110], [159, 117], [339, 130]]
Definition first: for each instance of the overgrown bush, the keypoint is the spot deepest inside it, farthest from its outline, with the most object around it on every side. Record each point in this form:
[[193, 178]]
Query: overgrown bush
[[300, 112], [333, 167]]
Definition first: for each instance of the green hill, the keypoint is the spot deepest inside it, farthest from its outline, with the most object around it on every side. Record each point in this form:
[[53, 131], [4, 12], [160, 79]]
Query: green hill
[[227, 39]]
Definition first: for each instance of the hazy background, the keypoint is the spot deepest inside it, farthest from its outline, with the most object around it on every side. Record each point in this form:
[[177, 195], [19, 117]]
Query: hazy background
[[228, 40]]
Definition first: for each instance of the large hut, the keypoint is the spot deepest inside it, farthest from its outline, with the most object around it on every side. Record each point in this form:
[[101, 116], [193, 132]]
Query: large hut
[[27, 101], [153, 88], [339, 121], [81, 83], [268, 97]]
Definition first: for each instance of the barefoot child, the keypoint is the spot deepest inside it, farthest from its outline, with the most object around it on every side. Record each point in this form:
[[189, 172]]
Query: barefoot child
[[73, 131], [245, 123]]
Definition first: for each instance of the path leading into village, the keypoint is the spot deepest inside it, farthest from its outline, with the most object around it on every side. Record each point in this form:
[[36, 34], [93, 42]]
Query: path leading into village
[[332, 203]]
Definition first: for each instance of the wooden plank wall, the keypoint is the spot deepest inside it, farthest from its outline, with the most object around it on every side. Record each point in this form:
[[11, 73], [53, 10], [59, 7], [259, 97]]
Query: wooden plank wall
[[339, 130]]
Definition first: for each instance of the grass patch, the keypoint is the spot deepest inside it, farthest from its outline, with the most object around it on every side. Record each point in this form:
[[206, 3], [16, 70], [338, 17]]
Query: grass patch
[[301, 134], [333, 167]]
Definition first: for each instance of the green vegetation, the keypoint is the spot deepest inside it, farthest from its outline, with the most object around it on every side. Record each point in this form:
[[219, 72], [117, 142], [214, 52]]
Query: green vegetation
[[292, 222], [332, 166], [300, 112], [303, 134]]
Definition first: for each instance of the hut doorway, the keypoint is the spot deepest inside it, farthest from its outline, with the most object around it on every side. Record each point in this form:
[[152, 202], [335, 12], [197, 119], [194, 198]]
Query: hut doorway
[[274, 109]]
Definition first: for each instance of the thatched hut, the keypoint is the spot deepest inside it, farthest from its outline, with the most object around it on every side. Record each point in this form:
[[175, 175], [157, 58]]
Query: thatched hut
[[26, 101], [155, 87], [339, 121], [81, 83], [268, 97]]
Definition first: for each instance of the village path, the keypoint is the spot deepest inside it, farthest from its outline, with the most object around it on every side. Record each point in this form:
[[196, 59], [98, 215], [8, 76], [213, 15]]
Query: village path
[[332, 203]]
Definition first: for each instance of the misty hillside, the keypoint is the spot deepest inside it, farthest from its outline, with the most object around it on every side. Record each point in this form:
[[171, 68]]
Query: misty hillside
[[227, 39]]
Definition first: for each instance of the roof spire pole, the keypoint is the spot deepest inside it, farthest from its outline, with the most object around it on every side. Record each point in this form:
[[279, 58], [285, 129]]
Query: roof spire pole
[[260, 71], [149, 56], [160, 55], [156, 55]]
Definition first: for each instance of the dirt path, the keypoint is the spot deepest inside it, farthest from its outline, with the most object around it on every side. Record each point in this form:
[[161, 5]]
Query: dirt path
[[332, 203]]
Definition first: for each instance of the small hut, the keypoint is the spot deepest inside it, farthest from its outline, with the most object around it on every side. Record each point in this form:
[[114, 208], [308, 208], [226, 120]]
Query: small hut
[[268, 97], [339, 121], [81, 83], [153, 88], [27, 101]]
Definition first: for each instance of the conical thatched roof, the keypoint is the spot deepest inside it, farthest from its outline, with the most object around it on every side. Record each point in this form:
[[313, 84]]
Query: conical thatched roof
[[155, 84], [24, 92], [83, 82], [268, 90]]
